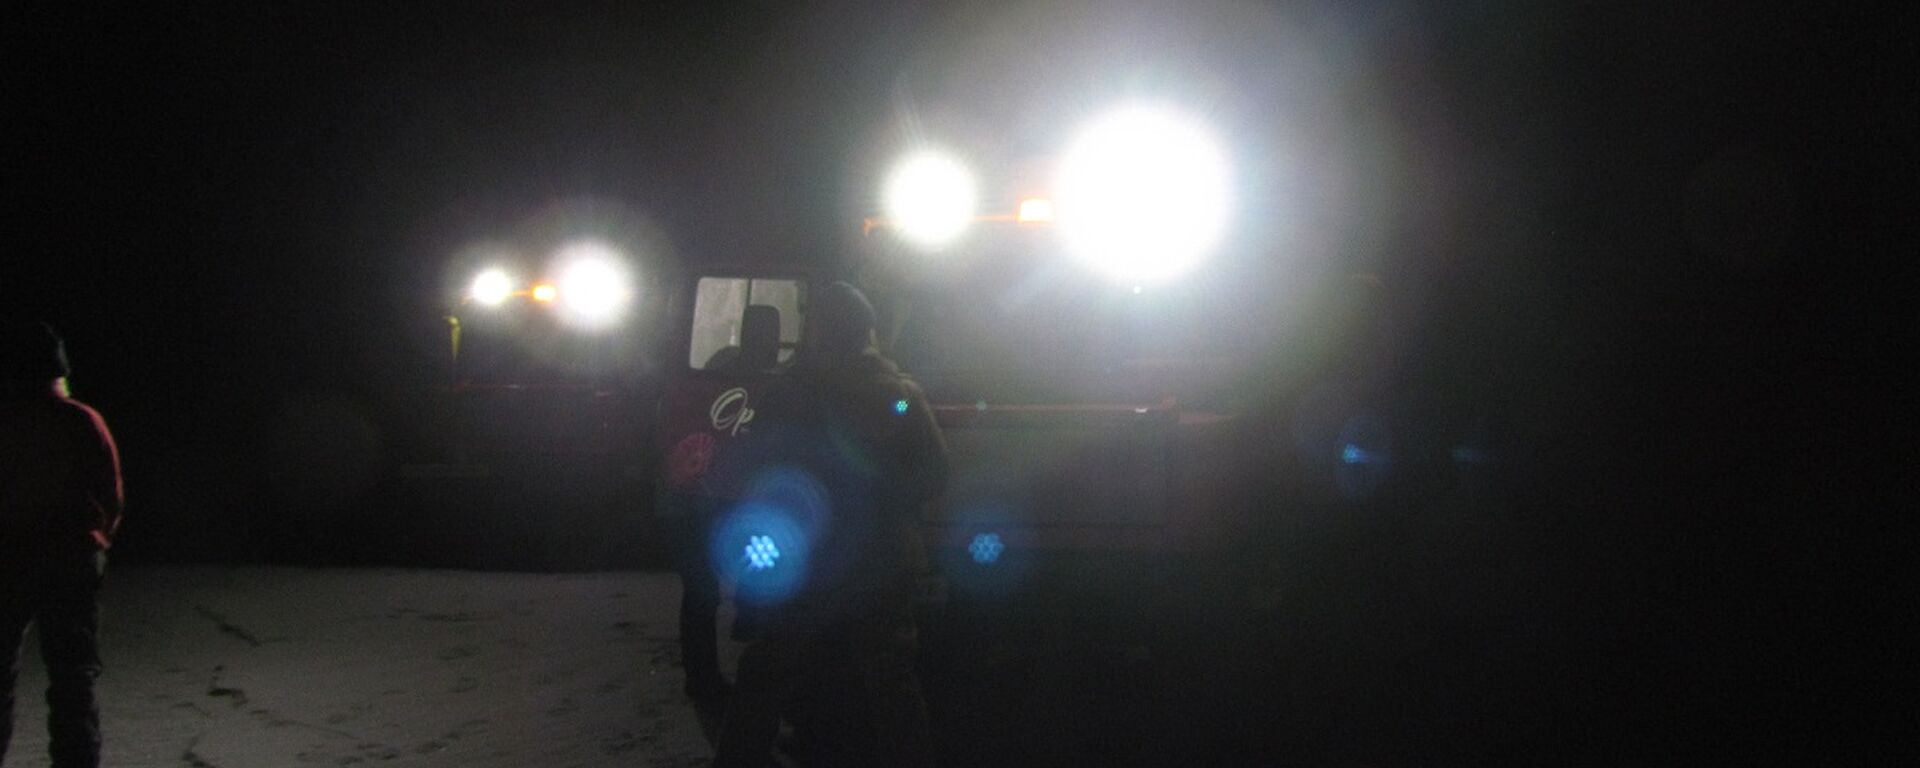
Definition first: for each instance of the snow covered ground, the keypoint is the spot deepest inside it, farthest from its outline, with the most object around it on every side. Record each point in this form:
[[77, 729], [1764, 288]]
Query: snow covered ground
[[259, 667]]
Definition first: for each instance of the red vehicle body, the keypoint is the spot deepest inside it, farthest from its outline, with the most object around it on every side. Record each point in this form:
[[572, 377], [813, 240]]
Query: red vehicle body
[[1088, 467], [537, 453]]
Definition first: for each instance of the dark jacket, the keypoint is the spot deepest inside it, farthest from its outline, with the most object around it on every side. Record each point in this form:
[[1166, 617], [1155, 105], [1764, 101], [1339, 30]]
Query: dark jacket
[[60, 488], [866, 433]]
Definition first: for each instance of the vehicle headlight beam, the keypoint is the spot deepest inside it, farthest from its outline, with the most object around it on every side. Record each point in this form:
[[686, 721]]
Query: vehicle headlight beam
[[491, 288], [594, 287], [930, 198], [1144, 194]]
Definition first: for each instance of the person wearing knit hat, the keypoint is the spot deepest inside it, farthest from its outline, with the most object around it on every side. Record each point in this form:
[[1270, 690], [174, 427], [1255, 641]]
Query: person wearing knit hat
[[60, 504]]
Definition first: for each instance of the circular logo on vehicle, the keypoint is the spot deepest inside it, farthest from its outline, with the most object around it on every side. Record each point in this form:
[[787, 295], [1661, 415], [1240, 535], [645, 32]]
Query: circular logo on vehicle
[[690, 459]]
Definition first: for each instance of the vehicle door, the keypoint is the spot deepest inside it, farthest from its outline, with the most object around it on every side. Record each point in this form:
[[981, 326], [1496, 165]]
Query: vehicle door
[[739, 333]]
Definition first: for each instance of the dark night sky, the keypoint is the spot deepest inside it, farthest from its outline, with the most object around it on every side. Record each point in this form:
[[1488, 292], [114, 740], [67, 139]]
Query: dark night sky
[[1640, 207], [290, 166], [301, 150]]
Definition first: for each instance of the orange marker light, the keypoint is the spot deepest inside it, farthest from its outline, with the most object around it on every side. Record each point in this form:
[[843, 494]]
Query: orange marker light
[[545, 293], [1036, 210]]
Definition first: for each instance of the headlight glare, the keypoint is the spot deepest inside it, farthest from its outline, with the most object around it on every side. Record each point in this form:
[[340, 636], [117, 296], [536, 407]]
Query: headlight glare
[[1143, 194], [594, 289], [491, 288], [930, 197]]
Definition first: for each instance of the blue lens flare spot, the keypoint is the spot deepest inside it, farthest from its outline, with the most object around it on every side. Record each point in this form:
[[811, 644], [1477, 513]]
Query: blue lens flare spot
[[1466, 455], [1366, 456], [900, 407], [762, 553], [764, 549], [791, 490], [986, 548]]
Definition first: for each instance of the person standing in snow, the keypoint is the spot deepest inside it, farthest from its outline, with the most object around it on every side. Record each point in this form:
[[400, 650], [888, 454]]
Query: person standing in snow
[[847, 417], [60, 503]]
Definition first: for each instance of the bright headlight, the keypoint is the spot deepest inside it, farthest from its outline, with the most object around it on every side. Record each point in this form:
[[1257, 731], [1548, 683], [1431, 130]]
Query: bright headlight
[[930, 197], [1143, 194], [491, 288], [594, 286]]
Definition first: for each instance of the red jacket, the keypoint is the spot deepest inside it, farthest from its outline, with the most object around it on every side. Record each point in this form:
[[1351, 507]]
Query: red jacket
[[59, 476]]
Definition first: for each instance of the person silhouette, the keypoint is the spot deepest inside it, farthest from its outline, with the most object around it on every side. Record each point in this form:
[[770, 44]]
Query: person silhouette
[[836, 652], [60, 504]]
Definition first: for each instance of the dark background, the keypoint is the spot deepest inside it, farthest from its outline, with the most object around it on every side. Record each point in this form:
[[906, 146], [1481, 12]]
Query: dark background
[[1666, 230]]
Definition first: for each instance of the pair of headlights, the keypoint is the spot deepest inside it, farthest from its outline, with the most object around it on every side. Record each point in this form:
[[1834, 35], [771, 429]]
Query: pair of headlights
[[1141, 194], [594, 288]]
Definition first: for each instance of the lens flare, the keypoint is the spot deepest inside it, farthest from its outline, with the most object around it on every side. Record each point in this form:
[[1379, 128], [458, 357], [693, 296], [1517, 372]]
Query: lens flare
[[792, 489], [761, 553], [1144, 194], [594, 287], [930, 197], [762, 549], [983, 562], [491, 288], [986, 548], [1366, 456]]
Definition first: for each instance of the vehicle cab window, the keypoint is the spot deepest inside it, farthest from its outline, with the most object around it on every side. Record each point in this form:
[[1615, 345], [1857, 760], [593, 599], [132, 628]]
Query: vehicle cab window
[[746, 325]]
